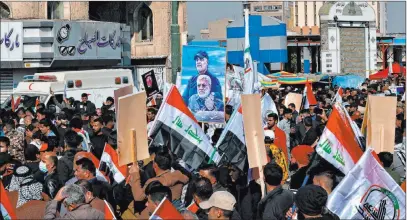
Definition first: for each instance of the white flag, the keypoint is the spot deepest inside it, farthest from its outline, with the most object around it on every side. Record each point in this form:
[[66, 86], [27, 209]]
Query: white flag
[[368, 192], [248, 62], [267, 106]]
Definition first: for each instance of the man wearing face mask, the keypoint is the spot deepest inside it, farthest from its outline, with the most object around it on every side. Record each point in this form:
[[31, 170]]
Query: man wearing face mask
[[48, 165]]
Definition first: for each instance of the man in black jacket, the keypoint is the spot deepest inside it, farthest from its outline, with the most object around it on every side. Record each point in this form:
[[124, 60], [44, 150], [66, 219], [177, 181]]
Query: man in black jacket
[[49, 164], [310, 135], [277, 201], [99, 139], [85, 105], [65, 167]]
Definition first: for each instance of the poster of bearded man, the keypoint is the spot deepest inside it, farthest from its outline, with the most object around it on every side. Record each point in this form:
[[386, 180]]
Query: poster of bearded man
[[203, 82]]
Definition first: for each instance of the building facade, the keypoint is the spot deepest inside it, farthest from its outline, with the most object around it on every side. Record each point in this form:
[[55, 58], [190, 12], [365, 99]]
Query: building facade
[[306, 14], [216, 29], [148, 45], [348, 38]]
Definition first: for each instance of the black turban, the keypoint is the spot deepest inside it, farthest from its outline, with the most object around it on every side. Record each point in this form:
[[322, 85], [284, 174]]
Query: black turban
[[311, 200]]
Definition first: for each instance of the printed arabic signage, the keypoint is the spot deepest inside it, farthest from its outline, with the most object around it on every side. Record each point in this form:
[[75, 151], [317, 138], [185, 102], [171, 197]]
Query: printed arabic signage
[[87, 40], [11, 41]]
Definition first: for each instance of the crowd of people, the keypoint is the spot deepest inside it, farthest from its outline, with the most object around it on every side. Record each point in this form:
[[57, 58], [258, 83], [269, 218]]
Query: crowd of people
[[48, 173]]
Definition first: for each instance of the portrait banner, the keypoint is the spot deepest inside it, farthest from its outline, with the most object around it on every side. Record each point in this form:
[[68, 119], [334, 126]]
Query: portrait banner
[[150, 83], [203, 82]]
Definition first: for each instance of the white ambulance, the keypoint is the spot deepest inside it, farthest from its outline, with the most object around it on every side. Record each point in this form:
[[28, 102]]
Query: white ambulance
[[98, 84]]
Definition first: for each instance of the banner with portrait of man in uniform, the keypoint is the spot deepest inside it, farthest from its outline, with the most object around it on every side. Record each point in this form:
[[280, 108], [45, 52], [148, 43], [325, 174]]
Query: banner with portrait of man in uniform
[[203, 82]]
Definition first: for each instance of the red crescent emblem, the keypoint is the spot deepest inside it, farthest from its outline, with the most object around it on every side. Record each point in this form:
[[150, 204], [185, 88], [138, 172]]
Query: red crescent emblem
[[29, 87]]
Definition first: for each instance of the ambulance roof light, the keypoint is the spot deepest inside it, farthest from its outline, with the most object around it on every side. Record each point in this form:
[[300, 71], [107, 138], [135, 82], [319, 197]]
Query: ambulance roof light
[[49, 78]]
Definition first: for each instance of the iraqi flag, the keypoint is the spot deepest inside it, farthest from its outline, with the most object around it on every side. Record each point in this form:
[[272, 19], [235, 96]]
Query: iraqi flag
[[368, 192], [176, 127], [338, 143], [100, 175], [165, 210], [109, 165], [7, 210], [108, 212], [231, 144], [308, 96], [193, 207]]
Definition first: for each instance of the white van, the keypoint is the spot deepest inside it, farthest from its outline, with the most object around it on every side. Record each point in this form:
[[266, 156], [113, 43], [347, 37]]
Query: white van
[[98, 84]]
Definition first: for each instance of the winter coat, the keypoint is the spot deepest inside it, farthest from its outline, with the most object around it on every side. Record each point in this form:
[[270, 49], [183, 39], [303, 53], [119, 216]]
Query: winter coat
[[275, 204], [65, 166], [51, 185], [83, 211], [247, 199]]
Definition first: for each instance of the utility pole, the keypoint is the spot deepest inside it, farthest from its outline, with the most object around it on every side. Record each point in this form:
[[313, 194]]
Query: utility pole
[[175, 42]]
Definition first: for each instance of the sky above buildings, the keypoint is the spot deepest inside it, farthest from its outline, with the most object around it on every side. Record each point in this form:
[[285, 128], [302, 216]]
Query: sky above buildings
[[200, 13]]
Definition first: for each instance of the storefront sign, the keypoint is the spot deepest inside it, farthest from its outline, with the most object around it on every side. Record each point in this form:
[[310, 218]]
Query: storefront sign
[[11, 41], [87, 40]]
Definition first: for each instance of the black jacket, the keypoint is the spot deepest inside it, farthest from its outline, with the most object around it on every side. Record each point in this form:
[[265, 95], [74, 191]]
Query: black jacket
[[98, 145], [298, 178], [88, 107], [51, 185], [275, 204], [310, 137], [35, 170], [247, 198], [102, 190], [65, 166]]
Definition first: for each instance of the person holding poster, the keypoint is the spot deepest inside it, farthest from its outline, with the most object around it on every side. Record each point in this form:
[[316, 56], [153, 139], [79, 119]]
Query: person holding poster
[[205, 102]]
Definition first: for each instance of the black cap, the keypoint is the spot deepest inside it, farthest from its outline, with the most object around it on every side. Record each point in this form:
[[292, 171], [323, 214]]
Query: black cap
[[201, 54]]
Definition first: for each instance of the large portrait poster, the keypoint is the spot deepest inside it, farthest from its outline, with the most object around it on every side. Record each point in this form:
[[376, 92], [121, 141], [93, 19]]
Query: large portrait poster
[[203, 82]]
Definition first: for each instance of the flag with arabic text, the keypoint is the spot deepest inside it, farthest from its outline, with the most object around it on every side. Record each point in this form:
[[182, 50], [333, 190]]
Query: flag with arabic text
[[175, 126]]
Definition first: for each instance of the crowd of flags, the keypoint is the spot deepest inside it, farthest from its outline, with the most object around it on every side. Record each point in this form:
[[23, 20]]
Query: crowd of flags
[[367, 190]]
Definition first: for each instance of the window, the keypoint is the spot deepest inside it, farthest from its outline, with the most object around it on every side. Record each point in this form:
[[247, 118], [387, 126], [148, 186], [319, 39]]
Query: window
[[328, 65], [278, 17], [143, 21], [328, 55], [257, 8], [329, 60], [329, 71], [4, 11], [55, 10]]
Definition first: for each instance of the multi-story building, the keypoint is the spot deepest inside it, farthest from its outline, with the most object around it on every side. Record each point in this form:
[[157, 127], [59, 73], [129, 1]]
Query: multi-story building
[[306, 14], [34, 27]]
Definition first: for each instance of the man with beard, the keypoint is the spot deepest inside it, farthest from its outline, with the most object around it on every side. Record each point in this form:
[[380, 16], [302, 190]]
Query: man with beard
[[201, 63], [204, 100], [85, 106], [99, 139]]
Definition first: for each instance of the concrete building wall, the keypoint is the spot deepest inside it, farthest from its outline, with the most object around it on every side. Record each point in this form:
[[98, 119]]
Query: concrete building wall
[[160, 45], [299, 17], [38, 10], [217, 29]]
